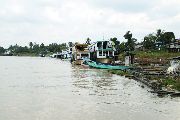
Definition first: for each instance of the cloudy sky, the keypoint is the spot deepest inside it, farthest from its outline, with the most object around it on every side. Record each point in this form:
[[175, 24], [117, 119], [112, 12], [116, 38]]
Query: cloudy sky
[[48, 21]]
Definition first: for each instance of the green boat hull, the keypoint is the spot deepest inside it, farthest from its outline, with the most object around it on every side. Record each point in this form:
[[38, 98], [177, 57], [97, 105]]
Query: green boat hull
[[104, 66]]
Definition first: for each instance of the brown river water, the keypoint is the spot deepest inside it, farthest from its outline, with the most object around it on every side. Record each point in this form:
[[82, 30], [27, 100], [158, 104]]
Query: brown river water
[[33, 88]]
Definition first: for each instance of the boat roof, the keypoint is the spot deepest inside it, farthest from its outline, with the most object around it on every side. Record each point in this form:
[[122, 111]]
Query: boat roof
[[83, 45], [107, 49], [103, 41]]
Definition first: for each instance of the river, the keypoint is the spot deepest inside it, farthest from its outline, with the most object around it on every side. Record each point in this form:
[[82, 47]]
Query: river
[[33, 88]]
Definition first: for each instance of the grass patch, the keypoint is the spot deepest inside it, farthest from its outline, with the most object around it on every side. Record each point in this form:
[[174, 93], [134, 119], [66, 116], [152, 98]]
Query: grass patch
[[156, 54], [119, 72], [151, 54], [175, 82]]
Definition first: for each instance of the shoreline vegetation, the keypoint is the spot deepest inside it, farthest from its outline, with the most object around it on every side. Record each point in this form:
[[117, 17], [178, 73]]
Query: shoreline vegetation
[[153, 76], [33, 49], [170, 83]]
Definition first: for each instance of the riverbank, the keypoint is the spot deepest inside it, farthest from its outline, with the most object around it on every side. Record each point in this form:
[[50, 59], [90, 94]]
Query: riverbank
[[151, 66], [25, 54], [21, 54], [161, 83]]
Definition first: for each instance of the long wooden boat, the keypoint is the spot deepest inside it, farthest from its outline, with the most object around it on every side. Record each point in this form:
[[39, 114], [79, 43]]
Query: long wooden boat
[[105, 66]]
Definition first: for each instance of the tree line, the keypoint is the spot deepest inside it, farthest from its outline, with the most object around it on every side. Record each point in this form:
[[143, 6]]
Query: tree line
[[152, 41], [34, 48], [149, 42]]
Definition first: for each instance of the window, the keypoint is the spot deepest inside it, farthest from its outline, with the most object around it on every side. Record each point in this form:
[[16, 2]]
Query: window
[[104, 45], [104, 53], [100, 53], [84, 55], [110, 53], [99, 45]]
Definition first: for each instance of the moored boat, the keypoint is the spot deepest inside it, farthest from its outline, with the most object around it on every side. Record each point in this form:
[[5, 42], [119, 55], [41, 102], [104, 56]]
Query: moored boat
[[106, 66], [80, 53]]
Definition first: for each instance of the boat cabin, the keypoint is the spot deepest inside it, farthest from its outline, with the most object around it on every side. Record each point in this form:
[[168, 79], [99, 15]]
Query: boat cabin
[[80, 52], [102, 51], [65, 54]]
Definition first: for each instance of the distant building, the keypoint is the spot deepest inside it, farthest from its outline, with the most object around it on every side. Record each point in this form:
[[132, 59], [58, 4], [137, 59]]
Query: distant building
[[158, 45], [7, 53], [138, 47], [174, 46]]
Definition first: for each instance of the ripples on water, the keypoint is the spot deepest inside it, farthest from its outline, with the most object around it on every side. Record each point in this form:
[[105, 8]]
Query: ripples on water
[[51, 89]]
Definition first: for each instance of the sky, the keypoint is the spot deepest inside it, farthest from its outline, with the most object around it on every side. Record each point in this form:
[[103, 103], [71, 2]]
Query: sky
[[59, 21]]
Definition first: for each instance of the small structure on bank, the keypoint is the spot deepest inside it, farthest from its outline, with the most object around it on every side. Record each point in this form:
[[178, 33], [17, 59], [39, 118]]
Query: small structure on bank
[[174, 46], [129, 58], [80, 52], [102, 51], [175, 66], [158, 45]]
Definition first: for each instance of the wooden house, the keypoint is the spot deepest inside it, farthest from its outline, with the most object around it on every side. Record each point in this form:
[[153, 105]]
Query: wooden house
[[174, 46], [102, 51]]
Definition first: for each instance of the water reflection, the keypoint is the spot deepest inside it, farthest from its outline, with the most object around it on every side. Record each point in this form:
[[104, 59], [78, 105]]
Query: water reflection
[[108, 89], [97, 82], [100, 82]]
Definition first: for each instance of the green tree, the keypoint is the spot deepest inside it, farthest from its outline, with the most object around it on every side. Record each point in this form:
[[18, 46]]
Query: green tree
[[21, 49], [122, 47], [63, 46], [36, 48], [54, 47], [149, 41], [159, 35], [168, 37], [16, 49], [164, 38], [70, 44], [130, 44], [13, 48], [116, 42], [88, 41], [42, 46], [2, 50], [30, 45]]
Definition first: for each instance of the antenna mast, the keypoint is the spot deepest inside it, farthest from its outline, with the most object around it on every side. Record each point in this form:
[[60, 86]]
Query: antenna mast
[[103, 36]]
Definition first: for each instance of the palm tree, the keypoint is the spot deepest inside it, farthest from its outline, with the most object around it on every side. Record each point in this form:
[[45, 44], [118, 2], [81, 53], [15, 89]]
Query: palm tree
[[130, 41], [88, 41], [30, 45]]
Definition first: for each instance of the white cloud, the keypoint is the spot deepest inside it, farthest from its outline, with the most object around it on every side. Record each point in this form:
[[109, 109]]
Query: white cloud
[[68, 20]]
